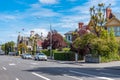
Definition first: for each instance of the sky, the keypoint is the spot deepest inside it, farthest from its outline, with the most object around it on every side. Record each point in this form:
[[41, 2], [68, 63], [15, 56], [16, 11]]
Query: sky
[[38, 15]]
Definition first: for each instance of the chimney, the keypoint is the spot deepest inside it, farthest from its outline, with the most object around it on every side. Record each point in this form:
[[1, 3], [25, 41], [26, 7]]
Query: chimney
[[80, 25], [108, 13]]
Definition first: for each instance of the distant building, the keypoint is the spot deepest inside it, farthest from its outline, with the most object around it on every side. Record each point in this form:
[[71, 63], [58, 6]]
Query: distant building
[[28, 43]]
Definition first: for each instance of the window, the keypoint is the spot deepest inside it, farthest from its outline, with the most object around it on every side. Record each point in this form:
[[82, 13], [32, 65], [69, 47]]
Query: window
[[69, 38], [117, 30]]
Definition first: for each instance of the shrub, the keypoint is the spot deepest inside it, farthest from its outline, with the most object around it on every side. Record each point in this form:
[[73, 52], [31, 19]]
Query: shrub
[[66, 56], [66, 49], [46, 52]]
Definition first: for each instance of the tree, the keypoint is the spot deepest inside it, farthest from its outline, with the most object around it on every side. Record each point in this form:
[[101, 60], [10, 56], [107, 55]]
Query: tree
[[82, 45], [67, 42], [33, 40], [22, 48], [8, 47], [57, 41], [98, 18], [3, 47]]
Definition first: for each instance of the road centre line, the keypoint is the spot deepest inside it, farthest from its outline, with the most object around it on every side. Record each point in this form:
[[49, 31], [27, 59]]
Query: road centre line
[[72, 77], [16, 79], [105, 78], [12, 64], [4, 68], [34, 63], [40, 76]]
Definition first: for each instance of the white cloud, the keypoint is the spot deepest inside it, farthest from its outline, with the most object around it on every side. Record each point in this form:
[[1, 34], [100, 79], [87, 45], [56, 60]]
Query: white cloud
[[37, 10], [7, 17], [44, 13], [48, 1], [84, 9], [96, 2], [41, 30], [38, 31]]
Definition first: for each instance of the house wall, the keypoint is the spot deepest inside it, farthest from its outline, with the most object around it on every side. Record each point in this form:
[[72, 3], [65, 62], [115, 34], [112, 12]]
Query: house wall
[[69, 38], [116, 30]]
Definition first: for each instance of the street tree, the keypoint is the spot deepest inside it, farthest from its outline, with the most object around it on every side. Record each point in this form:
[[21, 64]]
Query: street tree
[[58, 41], [8, 47], [33, 40], [98, 18], [22, 48]]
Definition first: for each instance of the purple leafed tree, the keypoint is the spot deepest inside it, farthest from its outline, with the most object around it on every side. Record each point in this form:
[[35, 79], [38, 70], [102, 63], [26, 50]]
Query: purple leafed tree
[[56, 39]]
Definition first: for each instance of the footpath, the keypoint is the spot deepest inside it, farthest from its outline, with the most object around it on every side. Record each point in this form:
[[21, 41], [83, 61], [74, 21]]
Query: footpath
[[110, 65]]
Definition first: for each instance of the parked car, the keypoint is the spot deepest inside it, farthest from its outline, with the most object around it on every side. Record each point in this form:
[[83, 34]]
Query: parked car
[[40, 56], [2, 52], [26, 56], [12, 53]]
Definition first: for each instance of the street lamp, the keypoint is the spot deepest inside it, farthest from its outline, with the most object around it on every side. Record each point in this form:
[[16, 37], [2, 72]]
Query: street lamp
[[50, 42]]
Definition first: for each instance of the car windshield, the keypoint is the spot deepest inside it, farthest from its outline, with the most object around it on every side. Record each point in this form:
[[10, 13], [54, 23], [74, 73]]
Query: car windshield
[[27, 54], [40, 54]]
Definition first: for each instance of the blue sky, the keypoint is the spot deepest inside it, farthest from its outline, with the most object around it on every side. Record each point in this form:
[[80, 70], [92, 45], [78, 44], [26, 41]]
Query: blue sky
[[37, 15]]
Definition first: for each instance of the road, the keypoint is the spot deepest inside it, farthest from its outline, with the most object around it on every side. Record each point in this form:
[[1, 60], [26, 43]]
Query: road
[[15, 68]]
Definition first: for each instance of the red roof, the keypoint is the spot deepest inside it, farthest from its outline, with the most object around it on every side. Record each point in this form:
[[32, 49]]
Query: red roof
[[39, 43]]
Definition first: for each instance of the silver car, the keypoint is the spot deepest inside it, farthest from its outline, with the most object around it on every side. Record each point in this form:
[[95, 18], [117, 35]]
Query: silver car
[[26, 56], [40, 56]]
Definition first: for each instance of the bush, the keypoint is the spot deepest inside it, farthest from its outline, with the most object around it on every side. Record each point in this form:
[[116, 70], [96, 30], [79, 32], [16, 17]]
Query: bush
[[66, 56], [66, 49], [46, 52]]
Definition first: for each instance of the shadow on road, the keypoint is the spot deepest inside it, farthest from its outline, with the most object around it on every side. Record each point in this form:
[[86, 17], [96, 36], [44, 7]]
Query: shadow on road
[[54, 71]]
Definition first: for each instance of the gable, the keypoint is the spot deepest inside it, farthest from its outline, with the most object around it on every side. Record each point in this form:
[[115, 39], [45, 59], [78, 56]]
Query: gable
[[113, 22]]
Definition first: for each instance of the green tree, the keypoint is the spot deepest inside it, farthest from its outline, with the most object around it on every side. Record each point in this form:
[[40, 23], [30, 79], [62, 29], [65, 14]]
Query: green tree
[[67, 42], [3, 47], [82, 45], [98, 18], [33, 40], [8, 47], [22, 48]]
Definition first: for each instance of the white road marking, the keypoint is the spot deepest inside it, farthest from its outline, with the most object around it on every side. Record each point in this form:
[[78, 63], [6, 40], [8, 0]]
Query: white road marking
[[72, 77], [105, 78], [4, 68], [40, 76], [34, 63], [12, 64], [32, 66], [16, 79]]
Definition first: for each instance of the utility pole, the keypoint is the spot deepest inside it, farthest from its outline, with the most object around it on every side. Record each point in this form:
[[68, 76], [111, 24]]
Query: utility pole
[[50, 42]]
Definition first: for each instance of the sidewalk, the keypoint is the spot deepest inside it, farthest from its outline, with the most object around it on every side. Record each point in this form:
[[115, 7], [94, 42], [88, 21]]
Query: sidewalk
[[110, 65]]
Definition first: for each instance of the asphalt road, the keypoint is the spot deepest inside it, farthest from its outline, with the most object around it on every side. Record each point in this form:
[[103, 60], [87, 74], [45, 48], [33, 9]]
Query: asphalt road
[[15, 68]]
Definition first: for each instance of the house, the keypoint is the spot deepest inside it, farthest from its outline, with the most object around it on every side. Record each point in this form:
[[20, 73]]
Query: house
[[68, 36], [82, 29], [111, 22], [28, 43]]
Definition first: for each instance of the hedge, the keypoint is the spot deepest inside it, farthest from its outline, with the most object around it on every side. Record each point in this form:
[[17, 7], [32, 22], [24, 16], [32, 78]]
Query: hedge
[[46, 52], [64, 56], [61, 55]]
